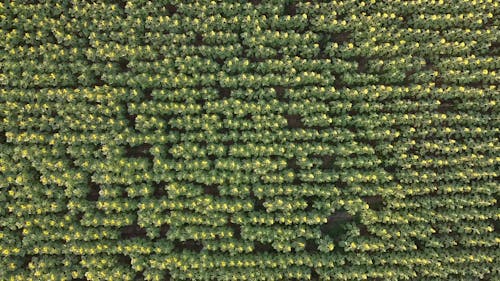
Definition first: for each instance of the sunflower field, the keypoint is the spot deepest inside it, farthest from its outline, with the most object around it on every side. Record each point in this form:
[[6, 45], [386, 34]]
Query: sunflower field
[[249, 140]]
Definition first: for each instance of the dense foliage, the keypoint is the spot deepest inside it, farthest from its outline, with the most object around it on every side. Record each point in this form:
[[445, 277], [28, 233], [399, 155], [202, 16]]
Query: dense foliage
[[249, 140]]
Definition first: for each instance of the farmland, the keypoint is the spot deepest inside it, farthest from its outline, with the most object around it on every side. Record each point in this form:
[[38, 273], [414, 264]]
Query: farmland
[[249, 140]]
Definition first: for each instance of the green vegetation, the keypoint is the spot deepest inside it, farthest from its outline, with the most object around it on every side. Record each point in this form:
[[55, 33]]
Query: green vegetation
[[249, 140]]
